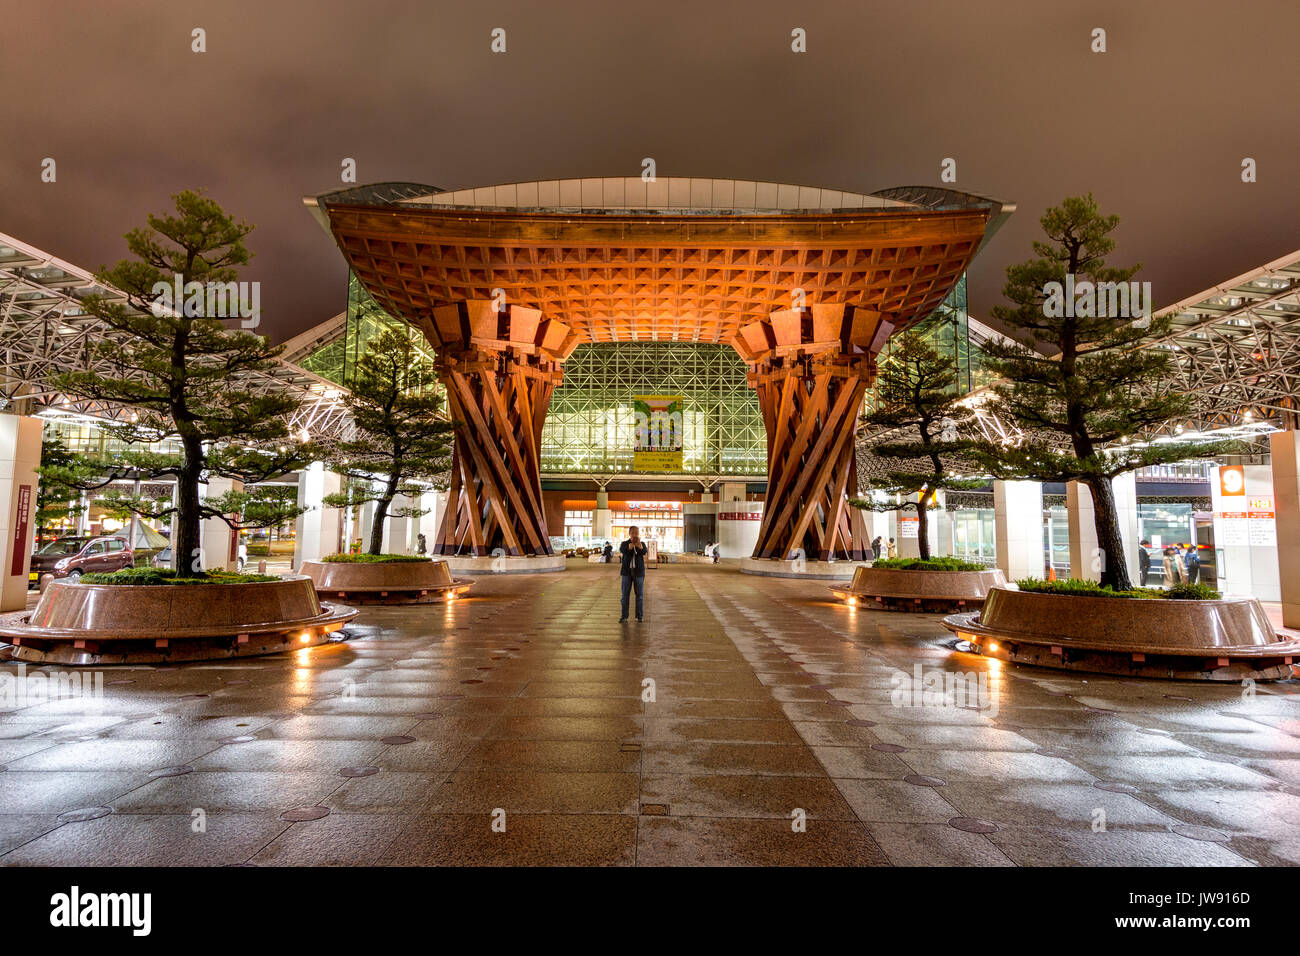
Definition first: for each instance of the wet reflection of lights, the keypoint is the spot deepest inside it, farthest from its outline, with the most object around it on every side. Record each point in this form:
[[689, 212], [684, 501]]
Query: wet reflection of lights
[[301, 674]]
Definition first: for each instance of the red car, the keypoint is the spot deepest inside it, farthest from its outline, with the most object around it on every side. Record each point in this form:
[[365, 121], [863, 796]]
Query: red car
[[71, 557]]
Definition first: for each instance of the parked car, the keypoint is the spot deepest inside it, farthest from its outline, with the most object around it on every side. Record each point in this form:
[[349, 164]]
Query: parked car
[[163, 559], [72, 556]]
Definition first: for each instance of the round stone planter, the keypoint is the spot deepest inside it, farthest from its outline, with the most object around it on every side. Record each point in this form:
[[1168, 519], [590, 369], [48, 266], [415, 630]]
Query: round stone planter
[[141, 624], [1227, 640], [385, 582], [895, 589]]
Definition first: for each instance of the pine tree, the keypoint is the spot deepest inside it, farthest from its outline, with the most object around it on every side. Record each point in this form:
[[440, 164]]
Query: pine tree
[[401, 444], [63, 476], [916, 393], [1090, 386], [179, 368]]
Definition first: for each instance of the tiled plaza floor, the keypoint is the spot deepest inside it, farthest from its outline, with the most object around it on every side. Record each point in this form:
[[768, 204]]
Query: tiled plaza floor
[[770, 703]]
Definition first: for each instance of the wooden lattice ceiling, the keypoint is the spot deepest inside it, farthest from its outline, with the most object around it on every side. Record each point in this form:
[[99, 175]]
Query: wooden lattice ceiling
[[629, 275]]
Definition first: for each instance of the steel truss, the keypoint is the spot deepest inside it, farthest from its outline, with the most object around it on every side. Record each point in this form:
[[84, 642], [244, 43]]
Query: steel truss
[[45, 331]]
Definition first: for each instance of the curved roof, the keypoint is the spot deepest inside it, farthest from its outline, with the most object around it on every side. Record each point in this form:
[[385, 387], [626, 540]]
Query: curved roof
[[678, 259]]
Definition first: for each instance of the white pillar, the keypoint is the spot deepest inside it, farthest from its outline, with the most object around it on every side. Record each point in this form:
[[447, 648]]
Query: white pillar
[[218, 540], [1085, 553], [1246, 532], [600, 518], [365, 519], [1084, 560], [1126, 507], [1018, 528], [20, 456], [317, 532], [1286, 497], [399, 531]]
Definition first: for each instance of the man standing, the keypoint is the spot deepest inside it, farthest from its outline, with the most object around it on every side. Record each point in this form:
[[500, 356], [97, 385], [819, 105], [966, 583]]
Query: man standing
[[1192, 564], [1144, 561], [632, 569]]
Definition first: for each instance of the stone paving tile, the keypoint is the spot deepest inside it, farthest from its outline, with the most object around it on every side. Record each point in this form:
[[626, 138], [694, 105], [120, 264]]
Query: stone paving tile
[[572, 756], [142, 755], [700, 841], [388, 791], [1029, 803], [55, 792], [935, 845], [19, 828], [244, 791], [861, 763], [568, 728], [340, 839], [1046, 846], [709, 757], [528, 840], [895, 801], [528, 698], [482, 791], [151, 840], [290, 755], [746, 796]]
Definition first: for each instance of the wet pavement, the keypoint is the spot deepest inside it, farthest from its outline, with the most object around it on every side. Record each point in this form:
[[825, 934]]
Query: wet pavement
[[746, 721]]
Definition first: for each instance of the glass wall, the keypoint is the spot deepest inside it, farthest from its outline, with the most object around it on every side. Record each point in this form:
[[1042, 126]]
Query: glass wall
[[336, 360], [972, 535], [591, 425], [947, 330]]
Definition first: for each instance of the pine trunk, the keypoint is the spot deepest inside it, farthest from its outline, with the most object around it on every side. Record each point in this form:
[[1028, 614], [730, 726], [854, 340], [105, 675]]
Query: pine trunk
[[187, 549], [1114, 567], [922, 527], [381, 515]]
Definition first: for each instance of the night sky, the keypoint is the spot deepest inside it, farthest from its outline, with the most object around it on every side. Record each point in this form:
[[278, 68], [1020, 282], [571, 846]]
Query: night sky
[[1156, 127]]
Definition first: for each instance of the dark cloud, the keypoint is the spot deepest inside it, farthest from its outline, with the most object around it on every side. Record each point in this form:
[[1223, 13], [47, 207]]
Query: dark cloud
[[1156, 127]]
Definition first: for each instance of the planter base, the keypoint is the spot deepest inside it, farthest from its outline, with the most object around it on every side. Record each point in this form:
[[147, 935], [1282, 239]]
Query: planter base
[[940, 592], [1227, 640], [396, 582], [103, 624], [812, 570], [505, 564]]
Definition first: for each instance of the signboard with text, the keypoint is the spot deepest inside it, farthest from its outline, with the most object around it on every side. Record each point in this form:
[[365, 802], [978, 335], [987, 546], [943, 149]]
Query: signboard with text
[[660, 427], [22, 525]]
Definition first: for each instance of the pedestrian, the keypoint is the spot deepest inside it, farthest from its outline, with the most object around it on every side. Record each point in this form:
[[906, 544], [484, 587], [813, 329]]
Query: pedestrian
[[716, 553], [632, 570], [608, 553], [1173, 567], [1144, 561], [420, 544], [875, 548], [893, 548], [1192, 564]]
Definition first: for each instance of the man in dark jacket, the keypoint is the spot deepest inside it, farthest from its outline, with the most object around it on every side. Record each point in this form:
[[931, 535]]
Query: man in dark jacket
[[1193, 564], [632, 570], [1144, 561]]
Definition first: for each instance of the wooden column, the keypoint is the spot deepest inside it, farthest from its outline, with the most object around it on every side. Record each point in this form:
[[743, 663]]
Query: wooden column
[[811, 369], [500, 368]]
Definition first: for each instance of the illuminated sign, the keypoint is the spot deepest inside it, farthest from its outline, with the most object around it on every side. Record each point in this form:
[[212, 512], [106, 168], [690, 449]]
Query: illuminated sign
[[1232, 480]]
